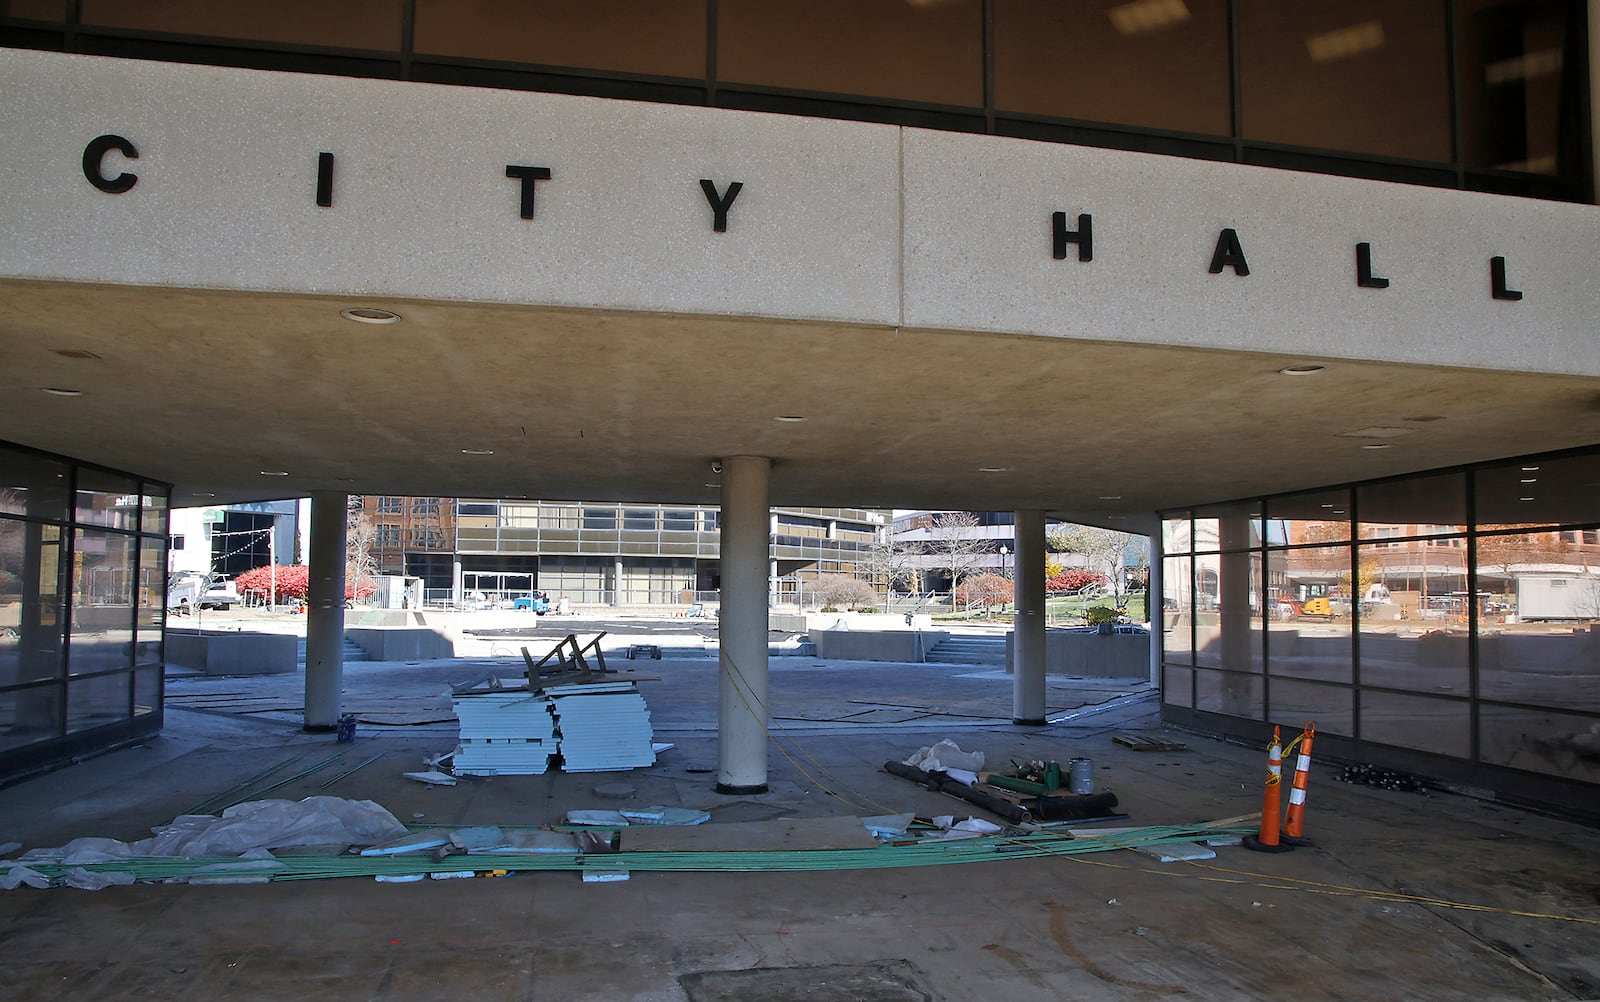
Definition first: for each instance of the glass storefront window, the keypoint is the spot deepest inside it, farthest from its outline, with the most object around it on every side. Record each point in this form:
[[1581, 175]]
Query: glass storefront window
[[107, 499], [98, 701], [1177, 535], [102, 602], [1294, 703], [34, 486], [1228, 611], [1231, 693], [1366, 76], [1400, 649], [1440, 726], [1177, 610], [32, 601], [1521, 88], [1319, 517], [1419, 506], [150, 602], [1538, 603], [30, 715], [1154, 64], [640, 519], [654, 37], [147, 690], [1557, 744], [1234, 526], [929, 53], [154, 517], [1308, 634], [1538, 492], [1177, 685]]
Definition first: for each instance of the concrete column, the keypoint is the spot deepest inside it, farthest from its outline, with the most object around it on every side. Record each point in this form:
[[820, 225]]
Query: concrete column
[[325, 612], [742, 623], [616, 582], [1155, 605], [1027, 699], [455, 582], [772, 583]]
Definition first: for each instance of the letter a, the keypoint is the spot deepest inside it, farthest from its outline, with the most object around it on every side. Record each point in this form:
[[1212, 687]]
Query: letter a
[[1229, 254]]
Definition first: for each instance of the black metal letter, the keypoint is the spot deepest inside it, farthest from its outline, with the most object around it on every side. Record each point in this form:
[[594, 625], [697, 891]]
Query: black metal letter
[[1229, 254], [96, 151], [1083, 236], [1365, 279], [720, 203], [325, 179], [529, 175], [1497, 280]]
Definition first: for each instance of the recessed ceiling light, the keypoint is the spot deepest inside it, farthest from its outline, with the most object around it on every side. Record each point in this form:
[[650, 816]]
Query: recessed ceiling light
[[717, 486], [1111, 497], [1530, 469], [992, 469], [1524, 499], [74, 353], [274, 473], [477, 452], [61, 391], [1376, 445], [1327, 506], [370, 315], [789, 418], [1530, 480], [1301, 370]]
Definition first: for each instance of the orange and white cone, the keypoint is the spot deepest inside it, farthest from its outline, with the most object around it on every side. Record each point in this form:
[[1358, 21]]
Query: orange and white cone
[[1271, 802], [1294, 826]]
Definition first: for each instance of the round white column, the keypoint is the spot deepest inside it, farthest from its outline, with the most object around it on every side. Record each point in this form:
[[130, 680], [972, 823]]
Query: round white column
[[325, 611], [1027, 630], [742, 623]]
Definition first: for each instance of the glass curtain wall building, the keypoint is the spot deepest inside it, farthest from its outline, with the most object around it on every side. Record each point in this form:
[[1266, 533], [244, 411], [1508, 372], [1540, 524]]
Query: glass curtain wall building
[[83, 569], [1447, 623]]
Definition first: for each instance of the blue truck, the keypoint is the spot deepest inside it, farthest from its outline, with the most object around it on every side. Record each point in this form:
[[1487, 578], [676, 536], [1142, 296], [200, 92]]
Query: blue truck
[[538, 601]]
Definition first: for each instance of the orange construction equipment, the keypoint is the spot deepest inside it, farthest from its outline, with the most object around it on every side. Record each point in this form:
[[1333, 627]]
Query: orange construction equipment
[[1294, 826], [1271, 802]]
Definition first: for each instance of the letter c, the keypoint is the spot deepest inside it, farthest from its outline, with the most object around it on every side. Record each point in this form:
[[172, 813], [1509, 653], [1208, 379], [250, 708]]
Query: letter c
[[96, 152]]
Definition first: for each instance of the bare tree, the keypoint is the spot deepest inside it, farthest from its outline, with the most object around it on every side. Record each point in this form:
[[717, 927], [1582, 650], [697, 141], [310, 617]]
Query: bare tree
[[360, 566], [950, 538], [889, 562], [843, 591], [1103, 550]]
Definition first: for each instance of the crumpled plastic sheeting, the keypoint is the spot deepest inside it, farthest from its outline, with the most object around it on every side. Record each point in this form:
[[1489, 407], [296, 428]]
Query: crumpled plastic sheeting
[[94, 880], [260, 824], [14, 875], [273, 824], [944, 756]]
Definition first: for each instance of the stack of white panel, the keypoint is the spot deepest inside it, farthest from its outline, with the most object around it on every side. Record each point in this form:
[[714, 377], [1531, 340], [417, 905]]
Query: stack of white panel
[[602, 727], [503, 734]]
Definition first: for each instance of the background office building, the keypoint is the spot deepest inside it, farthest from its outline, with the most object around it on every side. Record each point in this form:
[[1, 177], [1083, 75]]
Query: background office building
[[1301, 290], [599, 553]]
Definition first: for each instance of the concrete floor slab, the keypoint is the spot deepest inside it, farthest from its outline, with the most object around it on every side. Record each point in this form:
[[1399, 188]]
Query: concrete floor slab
[[1404, 895]]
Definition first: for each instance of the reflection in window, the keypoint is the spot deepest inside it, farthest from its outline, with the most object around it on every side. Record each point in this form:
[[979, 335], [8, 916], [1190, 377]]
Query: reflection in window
[[102, 613], [1308, 643], [1330, 707], [1368, 76], [1440, 726], [1157, 64], [1521, 86], [32, 558], [1556, 744]]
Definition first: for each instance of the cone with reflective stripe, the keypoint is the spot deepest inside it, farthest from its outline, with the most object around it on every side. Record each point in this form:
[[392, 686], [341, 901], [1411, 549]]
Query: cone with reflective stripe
[[1294, 825], [1271, 803]]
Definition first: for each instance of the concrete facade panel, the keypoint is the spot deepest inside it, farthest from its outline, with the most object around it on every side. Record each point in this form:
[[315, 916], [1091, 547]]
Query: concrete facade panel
[[422, 206], [978, 244]]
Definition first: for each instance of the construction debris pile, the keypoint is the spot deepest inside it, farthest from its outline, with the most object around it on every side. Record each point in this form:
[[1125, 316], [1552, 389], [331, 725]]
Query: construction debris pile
[[1384, 779], [593, 727], [324, 837], [1030, 791]]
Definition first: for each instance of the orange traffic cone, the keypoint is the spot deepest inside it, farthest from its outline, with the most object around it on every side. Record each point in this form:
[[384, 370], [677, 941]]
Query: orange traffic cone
[[1294, 825], [1271, 802]]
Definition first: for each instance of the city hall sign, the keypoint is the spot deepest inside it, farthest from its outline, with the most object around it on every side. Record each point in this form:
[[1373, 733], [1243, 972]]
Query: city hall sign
[[1227, 255]]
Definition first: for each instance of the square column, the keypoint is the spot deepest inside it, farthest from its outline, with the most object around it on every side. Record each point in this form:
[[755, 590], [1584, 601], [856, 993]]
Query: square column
[[742, 717], [325, 611], [1028, 688]]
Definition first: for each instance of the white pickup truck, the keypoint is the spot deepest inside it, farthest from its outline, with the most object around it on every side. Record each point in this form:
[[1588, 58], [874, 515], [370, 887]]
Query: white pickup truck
[[187, 590]]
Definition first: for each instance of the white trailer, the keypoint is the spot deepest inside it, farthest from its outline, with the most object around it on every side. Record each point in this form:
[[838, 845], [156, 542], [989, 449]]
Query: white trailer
[[1558, 596]]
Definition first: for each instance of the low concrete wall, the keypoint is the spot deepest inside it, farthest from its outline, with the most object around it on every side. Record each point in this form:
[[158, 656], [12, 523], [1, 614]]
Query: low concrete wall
[[886, 645], [1092, 655], [232, 652], [401, 643]]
